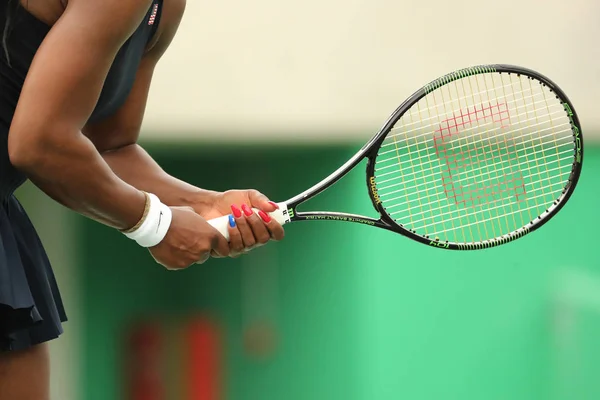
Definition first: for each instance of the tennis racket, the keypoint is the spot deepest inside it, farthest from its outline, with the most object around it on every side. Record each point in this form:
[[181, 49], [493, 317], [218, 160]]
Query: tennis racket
[[475, 159]]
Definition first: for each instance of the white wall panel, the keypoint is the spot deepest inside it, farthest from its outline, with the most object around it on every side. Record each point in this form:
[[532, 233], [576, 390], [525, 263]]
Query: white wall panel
[[265, 69]]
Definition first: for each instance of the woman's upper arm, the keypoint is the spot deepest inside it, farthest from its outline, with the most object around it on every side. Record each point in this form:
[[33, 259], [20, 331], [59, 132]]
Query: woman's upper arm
[[123, 128], [66, 76]]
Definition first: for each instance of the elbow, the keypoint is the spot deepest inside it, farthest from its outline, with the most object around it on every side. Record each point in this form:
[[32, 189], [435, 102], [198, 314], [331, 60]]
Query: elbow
[[19, 157], [25, 151]]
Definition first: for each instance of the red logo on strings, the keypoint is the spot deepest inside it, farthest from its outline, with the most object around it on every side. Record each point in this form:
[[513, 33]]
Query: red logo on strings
[[496, 155]]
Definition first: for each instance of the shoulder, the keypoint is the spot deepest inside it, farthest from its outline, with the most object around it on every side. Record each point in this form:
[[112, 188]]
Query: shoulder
[[120, 12], [170, 18]]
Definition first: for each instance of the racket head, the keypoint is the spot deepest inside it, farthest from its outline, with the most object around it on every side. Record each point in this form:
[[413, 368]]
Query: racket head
[[476, 158]]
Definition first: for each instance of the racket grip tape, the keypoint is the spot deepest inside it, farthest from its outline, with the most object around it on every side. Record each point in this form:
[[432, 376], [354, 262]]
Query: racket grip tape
[[222, 223]]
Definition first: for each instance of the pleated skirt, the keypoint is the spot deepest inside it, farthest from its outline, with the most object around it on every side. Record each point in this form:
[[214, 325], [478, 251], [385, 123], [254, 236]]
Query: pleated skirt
[[31, 309]]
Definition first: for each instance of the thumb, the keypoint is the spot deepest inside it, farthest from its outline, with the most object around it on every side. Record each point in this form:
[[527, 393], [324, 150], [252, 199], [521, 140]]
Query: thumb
[[260, 201]]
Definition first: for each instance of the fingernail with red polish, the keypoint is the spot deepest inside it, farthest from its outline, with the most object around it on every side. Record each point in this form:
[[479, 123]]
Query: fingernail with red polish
[[236, 211], [274, 205], [246, 210], [265, 217]]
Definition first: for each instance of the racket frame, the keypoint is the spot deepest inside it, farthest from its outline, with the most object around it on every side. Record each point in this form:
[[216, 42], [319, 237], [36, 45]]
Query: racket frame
[[371, 148]]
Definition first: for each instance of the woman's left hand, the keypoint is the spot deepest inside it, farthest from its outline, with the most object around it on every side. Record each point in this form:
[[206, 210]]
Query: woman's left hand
[[251, 229]]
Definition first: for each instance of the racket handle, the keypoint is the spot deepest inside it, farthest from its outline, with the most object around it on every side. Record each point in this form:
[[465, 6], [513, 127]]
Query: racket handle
[[222, 223]]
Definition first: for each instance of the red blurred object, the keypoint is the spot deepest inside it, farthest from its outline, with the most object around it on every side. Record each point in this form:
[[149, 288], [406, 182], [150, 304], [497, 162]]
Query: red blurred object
[[204, 367], [144, 363]]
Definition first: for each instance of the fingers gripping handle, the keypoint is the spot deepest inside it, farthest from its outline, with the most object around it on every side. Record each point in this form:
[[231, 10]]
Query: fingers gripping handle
[[222, 223]]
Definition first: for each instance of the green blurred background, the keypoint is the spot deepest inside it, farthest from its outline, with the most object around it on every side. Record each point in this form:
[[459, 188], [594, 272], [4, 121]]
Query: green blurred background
[[274, 96], [353, 312]]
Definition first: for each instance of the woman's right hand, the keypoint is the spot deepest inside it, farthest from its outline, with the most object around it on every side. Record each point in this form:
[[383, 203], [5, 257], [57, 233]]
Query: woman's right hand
[[189, 240]]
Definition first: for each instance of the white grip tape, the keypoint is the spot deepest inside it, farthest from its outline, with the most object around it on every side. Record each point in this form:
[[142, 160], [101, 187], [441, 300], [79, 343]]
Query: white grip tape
[[154, 228], [222, 223]]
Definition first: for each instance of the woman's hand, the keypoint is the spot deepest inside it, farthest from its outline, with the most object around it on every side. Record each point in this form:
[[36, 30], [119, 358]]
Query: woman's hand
[[247, 229], [189, 240]]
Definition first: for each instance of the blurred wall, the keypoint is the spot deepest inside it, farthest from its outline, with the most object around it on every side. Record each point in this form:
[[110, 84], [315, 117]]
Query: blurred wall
[[357, 313], [393, 317], [306, 297], [325, 70]]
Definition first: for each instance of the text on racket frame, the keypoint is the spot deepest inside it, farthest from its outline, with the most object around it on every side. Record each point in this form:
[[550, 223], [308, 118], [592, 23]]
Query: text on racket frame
[[576, 132], [340, 218], [374, 192]]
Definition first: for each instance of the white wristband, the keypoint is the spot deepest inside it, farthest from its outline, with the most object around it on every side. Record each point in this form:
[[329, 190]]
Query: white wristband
[[154, 228]]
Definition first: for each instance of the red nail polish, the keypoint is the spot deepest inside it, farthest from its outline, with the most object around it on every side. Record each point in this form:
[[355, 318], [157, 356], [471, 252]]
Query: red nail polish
[[236, 211], [265, 217], [274, 205], [246, 210]]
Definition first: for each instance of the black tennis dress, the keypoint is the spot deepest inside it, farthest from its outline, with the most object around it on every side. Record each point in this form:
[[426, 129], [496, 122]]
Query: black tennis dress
[[31, 309]]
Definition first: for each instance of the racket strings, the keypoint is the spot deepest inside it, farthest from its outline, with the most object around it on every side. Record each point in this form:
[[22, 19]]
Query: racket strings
[[465, 179], [476, 159], [489, 131], [442, 214], [484, 147], [421, 126]]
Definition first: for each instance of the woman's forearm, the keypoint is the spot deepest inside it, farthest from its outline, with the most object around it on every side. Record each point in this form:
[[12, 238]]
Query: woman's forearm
[[136, 167], [71, 171]]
